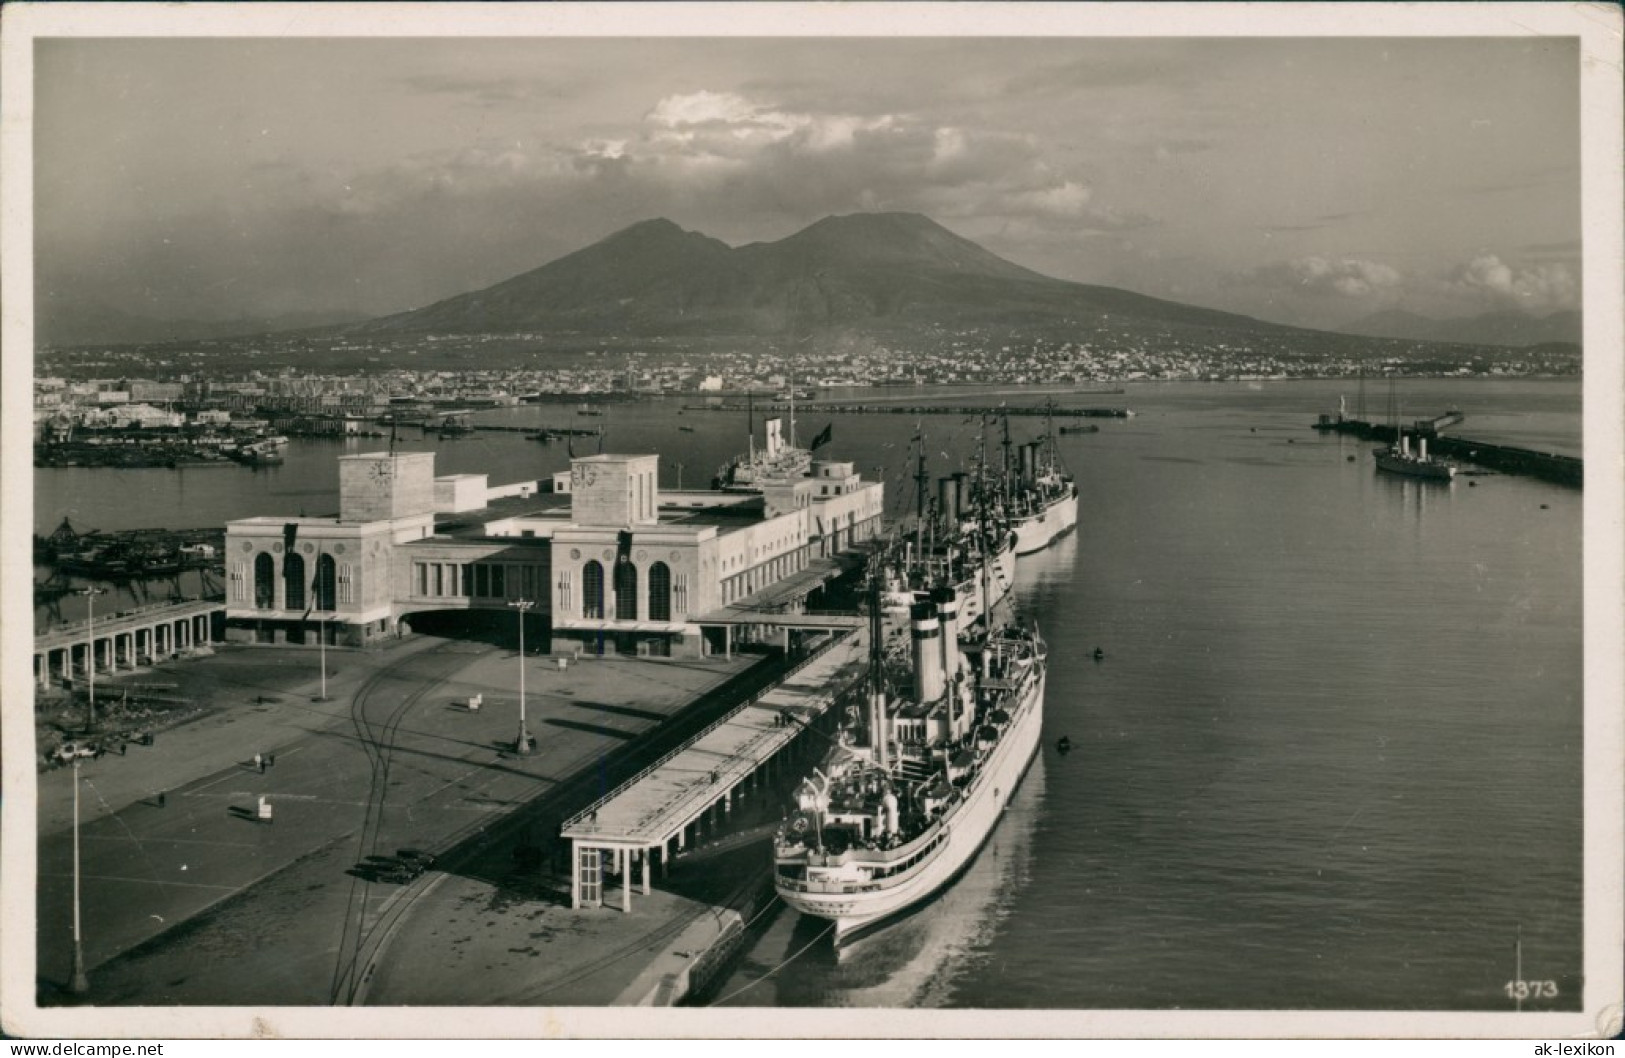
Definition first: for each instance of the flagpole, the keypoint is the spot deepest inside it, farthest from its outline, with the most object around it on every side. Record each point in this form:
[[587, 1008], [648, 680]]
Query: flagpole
[[321, 637]]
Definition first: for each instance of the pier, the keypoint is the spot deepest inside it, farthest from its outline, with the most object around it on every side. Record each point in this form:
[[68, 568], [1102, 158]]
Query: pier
[[124, 640], [1506, 459], [691, 792]]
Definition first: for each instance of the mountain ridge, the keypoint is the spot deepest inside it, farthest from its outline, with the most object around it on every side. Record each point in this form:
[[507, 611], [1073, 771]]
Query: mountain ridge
[[863, 271]]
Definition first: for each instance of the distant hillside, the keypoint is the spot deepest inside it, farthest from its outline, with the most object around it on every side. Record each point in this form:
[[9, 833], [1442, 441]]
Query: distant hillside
[[872, 273], [57, 325], [1490, 328]]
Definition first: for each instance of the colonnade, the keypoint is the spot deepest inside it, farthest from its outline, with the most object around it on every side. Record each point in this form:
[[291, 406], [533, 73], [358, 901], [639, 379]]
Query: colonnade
[[118, 643]]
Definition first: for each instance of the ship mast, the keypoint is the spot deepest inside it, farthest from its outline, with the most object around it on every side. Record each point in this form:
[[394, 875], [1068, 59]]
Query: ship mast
[[920, 480], [986, 545], [1006, 481]]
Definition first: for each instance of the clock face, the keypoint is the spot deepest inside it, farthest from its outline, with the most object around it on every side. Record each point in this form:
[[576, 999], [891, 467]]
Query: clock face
[[382, 471]]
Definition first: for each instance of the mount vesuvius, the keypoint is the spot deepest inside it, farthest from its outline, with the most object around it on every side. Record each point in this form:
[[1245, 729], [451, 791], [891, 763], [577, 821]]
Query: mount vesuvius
[[882, 274]]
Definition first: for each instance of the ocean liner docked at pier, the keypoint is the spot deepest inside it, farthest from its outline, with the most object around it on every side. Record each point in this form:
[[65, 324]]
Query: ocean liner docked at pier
[[905, 799], [1041, 502], [960, 542]]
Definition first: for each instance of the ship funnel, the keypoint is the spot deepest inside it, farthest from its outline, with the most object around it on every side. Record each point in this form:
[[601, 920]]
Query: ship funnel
[[947, 603], [948, 499], [1029, 461], [1422, 443], [1404, 444], [961, 494], [927, 653]]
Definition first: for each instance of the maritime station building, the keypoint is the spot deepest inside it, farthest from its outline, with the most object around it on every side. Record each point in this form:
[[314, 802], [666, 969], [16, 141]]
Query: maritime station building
[[612, 564]]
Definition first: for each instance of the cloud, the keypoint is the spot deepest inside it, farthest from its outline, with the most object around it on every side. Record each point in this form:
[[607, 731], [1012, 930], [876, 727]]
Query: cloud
[[1543, 287], [487, 91], [734, 165], [1348, 277]]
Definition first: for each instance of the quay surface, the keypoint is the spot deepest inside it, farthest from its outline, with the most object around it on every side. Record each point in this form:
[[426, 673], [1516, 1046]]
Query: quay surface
[[651, 951], [190, 901]]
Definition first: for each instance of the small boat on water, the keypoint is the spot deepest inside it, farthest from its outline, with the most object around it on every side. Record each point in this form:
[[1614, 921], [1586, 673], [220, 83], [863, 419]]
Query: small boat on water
[[455, 426], [686, 429]]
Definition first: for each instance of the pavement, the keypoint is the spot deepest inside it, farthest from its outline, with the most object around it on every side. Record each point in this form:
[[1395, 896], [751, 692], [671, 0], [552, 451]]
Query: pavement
[[493, 943], [196, 902]]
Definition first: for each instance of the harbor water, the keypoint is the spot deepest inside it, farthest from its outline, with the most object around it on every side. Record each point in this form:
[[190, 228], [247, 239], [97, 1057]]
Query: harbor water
[[1330, 758]]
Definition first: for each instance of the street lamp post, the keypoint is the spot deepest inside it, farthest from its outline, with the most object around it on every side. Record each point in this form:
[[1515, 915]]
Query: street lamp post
[[522, 747], [78, 983], [90, 599], [321, 639]]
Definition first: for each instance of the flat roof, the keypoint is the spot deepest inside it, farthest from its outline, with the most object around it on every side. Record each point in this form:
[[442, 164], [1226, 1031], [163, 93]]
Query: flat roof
[[650, 809], [471, 524]]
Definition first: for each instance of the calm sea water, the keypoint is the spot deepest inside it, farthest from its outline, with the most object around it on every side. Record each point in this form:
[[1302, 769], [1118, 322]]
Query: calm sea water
[[1331, 757]]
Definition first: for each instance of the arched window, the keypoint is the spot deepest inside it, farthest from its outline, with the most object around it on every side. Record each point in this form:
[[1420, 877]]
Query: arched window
[[592, 590], [264, 581], [660, 592], [626, 590], [293, 582], [326, 582]]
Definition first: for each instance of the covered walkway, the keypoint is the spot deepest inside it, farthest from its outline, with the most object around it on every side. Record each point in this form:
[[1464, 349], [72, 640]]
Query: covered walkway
[[123, 640], [692, 790]]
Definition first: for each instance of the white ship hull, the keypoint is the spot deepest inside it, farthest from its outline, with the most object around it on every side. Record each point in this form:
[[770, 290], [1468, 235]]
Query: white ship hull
[[966, 829], [1037, 531]]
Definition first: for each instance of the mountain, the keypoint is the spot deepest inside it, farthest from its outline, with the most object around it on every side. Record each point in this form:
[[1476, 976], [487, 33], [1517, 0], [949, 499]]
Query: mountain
[[873, 273], [97, 324], [1490, 328]]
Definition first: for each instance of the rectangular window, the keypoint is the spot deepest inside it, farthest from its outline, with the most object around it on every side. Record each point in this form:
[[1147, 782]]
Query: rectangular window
[[420, 572], [498, 582], [482, 582], [465, 585], [438, 582], [346, 584]]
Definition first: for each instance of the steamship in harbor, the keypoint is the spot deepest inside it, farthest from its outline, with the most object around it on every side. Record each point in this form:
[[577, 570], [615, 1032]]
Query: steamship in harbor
[[960, 542], [909, 793], [779, 459], [1399, 459], [1041, 503]]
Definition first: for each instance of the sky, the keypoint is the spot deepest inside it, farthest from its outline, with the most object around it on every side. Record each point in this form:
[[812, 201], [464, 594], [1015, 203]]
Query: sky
[[1305, 181]]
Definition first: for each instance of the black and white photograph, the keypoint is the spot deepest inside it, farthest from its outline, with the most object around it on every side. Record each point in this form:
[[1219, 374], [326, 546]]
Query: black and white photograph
[[780, 520]]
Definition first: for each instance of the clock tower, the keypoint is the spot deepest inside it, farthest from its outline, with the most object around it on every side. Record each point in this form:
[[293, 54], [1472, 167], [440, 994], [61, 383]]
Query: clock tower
[[380, 485], [614, 490]]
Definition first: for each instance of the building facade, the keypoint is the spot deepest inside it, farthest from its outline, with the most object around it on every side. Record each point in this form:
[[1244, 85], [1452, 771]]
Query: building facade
[[609, 562]]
